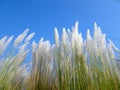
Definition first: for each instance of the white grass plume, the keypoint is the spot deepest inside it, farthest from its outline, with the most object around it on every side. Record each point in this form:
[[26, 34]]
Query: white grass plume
[[72, 63], [20, 38]]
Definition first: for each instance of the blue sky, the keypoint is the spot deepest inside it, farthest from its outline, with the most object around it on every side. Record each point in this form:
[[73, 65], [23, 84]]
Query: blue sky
[[42, 16]]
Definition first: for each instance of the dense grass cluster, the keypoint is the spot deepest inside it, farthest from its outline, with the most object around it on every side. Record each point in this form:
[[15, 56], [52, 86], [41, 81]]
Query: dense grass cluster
[[72, 63]]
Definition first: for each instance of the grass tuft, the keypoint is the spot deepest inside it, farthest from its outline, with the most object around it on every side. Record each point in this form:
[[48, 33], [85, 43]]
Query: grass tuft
[[72, 63]]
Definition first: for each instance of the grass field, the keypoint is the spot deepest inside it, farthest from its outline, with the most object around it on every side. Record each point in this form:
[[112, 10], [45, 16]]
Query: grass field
[[72, 63]]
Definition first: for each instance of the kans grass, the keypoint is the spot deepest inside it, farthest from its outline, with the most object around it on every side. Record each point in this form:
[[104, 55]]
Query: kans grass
[[72, 63]]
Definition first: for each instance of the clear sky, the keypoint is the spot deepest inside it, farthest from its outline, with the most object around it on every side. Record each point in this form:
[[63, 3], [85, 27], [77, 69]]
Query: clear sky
[[42, 16]]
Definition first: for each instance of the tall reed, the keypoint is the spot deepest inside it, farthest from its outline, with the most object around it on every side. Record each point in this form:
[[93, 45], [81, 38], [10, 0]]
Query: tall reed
[[72, 63]]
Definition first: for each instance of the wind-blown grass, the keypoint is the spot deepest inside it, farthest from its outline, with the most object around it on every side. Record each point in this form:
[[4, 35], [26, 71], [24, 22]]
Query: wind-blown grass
[[72, 63]]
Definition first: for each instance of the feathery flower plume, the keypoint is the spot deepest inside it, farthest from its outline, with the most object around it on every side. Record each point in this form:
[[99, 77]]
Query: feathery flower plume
[[4, 43], [20, 38], [72, 63], [29, 37], [56, 37]]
